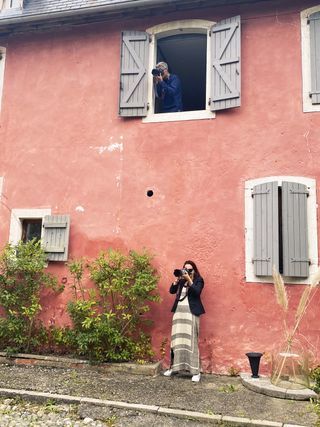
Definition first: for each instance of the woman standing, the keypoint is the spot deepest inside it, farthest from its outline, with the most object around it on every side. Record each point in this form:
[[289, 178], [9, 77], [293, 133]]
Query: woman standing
[[185, 323]]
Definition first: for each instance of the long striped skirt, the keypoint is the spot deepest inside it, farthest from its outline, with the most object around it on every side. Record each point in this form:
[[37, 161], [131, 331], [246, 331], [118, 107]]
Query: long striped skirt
[[184, 340]]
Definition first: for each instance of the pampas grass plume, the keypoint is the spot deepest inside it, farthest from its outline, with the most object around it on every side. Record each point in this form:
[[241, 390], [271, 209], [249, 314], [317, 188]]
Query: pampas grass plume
[[280, 289]]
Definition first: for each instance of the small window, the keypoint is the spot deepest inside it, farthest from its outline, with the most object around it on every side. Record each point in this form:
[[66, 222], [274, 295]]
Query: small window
[[52, 230], [281, 228], [31, 229], [310, 39], [10, 4]]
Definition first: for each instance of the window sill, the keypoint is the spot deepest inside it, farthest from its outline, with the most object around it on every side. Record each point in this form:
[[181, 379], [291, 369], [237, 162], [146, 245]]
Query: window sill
[[176, 117]]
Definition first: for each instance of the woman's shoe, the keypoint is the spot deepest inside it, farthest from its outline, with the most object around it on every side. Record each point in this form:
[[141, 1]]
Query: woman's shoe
[[196, 378], [168, 373]]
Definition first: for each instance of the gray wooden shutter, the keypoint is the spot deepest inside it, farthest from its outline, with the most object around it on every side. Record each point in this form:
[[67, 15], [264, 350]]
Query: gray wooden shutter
[[314, 21], [294, 230], [265, 228], [56, 236], [133, 74], [225, 66]]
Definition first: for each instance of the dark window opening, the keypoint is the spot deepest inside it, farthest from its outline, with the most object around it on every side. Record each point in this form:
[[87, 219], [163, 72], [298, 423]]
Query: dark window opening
[[186, 56], [31, 229], [280, 230]]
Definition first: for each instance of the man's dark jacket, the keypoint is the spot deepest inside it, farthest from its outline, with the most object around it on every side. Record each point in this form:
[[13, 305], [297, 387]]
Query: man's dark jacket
[[194, 292]]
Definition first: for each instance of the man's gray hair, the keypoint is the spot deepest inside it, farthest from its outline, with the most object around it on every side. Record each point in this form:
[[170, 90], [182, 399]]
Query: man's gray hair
[[162, 65]]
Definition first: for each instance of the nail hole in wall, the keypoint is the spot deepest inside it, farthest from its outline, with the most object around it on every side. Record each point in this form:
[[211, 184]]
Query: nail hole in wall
[[149, 193]]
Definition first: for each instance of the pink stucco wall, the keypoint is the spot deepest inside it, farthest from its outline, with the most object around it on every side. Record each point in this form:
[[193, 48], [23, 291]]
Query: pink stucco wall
[[59, 121]]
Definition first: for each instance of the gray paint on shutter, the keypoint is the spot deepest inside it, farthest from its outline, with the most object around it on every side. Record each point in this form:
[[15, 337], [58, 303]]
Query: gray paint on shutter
[[225, 65], [294, 230], [133, 74], [56, 237], [265, 228], [314, 21]]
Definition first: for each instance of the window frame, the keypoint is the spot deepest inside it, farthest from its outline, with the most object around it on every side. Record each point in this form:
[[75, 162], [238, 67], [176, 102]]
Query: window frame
[[17, 217], [312, 228], [169, 29], [306, 60], [2, 69]]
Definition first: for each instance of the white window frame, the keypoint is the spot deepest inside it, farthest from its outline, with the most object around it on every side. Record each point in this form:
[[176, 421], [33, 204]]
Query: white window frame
[[2, 68], [18, 215], [312, 227], [306, 58], [169, 29], [10, 4]]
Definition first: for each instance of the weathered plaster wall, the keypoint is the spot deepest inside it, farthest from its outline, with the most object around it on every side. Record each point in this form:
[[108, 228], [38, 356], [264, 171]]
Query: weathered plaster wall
[[63, 146]]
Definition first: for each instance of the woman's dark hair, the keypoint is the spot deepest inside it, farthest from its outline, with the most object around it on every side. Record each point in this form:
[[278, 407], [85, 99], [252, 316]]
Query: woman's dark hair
[[195, 268]]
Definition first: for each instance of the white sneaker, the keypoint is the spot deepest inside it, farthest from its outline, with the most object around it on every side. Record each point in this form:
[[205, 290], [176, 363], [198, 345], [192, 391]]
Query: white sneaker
[[196, 378], [168, 373]]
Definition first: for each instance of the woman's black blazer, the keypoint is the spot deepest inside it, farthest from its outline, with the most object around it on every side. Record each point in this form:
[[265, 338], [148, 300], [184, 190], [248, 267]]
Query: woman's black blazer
[[194, 292]]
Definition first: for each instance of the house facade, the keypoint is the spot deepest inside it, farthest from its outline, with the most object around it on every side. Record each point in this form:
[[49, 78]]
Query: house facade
[[89, 161]]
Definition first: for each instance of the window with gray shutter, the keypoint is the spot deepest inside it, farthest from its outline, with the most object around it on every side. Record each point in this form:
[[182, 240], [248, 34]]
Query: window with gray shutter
[[294, 230], [280, 231], [314, 22], [225, 52], [265, 228], [56, 237], [133, 74]]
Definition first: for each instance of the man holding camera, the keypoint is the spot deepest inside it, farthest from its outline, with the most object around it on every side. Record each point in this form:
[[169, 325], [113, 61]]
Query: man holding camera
[[168, 88]]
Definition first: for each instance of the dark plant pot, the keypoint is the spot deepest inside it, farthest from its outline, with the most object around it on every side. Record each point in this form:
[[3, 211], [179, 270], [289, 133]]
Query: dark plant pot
[[254, 359]]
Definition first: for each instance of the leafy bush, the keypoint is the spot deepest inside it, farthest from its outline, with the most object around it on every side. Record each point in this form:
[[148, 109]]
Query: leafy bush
[[109, 321], [22, 276], [315, 376]]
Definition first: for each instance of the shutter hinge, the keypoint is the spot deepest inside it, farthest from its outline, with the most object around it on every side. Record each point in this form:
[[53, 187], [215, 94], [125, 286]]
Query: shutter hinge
[[261, 259], [308, 21], [260, 192], [148, 106], [209, 101], [300, 260], [300, 192], [150, 38], [210, 32]]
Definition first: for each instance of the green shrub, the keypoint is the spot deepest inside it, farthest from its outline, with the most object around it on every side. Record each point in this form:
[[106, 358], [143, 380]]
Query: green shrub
[[22, 277], [315, 376], [109, 321]]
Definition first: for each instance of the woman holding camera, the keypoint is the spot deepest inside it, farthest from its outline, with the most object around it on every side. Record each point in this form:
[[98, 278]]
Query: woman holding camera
[[187, 308]]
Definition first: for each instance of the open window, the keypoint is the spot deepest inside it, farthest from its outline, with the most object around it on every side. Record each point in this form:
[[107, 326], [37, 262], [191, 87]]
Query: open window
[[204, 55], [281, 228], [39, 224], [310, 39]]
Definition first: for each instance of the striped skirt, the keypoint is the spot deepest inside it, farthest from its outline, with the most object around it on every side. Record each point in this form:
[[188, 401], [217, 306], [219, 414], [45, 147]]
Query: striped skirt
[[184, 340]]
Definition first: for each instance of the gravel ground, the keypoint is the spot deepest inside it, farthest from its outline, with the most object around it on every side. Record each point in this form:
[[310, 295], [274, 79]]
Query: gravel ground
[[214, 395]]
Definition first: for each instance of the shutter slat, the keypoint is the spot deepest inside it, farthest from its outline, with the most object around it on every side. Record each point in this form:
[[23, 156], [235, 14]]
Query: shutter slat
[[56, 237], [225, 65], [133, 74], [315, 57], [265, 228], [295, 230]]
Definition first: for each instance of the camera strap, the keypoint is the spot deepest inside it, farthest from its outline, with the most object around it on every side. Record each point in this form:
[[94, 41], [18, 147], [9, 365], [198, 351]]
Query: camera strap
[[185, 296]]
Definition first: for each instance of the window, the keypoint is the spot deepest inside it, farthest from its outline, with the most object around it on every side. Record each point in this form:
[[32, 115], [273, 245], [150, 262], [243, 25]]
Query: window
[[205, 56], [31, 229], [2, 64], [53, 230], [281, 228], [310, 39], [10, 4]]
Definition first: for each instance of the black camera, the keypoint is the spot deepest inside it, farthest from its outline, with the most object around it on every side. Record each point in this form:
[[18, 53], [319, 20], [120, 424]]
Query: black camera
[[178, 273], [156, 72]]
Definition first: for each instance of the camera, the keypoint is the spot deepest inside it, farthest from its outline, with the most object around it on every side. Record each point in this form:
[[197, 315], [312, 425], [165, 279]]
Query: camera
[[156, 72], [178, 273]]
